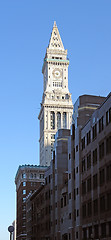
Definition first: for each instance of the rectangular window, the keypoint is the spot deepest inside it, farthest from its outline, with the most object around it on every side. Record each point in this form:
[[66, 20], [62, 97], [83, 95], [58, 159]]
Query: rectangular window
[[108, 145], [83, 143], [52, 120], [69, 195], [69, 175], [88, 161], [88, 137], [24, 184], [101, 150], [103, 230], [96, 231], [64, 120], [109, 225], [89, 185], [65, 201], [77, 148], [95, 156], [58, 120], [102, 204], [74, 195], [24, 191], [84, 211], [23, 175], [95, 181], [109, 201], [83, 165], [102, 176], [108, 173], [108, 116], [77, 191], [77, 212], [95, 206], [89, 209], [94, 131], [84, 187], [101, 125]]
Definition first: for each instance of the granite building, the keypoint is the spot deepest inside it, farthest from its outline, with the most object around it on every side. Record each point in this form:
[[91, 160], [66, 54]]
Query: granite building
[[56, 107]]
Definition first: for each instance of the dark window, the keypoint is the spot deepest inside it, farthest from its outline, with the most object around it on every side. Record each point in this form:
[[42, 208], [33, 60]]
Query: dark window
[[101, 150], [84, 187], [65, 200], [102, 176], [95, 181], [95, 156], [102, 204], [84, 211], [69, 176], [77, 148], [94, 131], [77, 212], [101, 125], [74, 173], [83, 143], [74, 195], [96, 231], [109, 229], [77, 235], [69, 215], [108, 145], [83, 165], [76, 169], [61, 202], [90, 231], [84, 233], [69, 195], [88, 137], [95, 206], [89, 208], [108, 116], [109, 201], [89, 161], [89, 184], [103, 230], [108, 173]]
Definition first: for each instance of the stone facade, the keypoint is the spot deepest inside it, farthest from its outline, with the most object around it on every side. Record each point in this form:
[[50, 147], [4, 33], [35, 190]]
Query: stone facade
[[56, 107]]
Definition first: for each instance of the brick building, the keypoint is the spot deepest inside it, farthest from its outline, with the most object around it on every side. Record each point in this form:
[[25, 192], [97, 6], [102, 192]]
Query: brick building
[[28, 178]]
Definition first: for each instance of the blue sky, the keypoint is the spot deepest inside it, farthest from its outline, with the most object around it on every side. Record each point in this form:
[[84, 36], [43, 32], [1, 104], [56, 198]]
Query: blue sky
[[25, 28]]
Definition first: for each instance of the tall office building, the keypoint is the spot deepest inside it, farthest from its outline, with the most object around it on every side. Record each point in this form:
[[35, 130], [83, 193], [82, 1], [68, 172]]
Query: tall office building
[[56, 107]]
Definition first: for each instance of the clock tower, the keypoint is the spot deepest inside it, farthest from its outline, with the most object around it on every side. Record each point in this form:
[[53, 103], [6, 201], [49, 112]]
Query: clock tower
[[56, 107]]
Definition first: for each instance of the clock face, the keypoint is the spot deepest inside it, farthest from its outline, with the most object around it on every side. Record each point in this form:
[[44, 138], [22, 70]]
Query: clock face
[[57, 73]]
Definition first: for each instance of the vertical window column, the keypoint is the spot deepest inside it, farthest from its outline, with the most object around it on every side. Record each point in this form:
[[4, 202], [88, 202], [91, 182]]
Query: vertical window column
[[58, 120], [64, 120], [52, 119]]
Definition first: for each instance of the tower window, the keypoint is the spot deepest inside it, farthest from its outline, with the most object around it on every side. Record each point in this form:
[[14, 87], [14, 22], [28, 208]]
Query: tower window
[[64, 120], [52, 120], [58, 120]]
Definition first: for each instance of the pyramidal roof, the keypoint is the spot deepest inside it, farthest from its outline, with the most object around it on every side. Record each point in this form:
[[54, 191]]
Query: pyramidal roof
[[55, 41]]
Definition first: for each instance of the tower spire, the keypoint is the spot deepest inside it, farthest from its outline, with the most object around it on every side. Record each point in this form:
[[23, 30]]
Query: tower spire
[[55, 41], [55, 25]]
